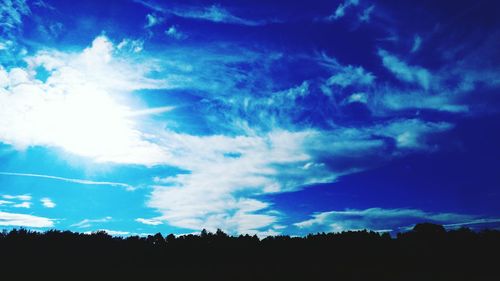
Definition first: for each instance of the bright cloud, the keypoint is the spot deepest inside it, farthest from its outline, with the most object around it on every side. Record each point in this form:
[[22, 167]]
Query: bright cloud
[[75, 108], [149, 221], [13, 219], [47, 202]]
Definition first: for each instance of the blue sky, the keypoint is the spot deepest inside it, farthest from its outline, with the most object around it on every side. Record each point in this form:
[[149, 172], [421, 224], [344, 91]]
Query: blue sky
[[275, 117]]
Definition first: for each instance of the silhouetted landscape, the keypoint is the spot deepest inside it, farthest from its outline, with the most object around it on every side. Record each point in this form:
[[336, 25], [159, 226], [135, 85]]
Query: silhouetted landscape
[[428, 252]]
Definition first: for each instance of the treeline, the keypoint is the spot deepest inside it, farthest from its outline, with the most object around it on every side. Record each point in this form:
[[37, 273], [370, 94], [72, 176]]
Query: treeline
[[428, 252]]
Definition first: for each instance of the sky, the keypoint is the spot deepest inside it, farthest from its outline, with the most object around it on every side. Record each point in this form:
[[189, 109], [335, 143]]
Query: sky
[[254, 117]]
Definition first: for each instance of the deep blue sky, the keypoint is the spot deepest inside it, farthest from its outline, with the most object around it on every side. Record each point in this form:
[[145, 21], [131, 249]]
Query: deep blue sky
[[275, 117]]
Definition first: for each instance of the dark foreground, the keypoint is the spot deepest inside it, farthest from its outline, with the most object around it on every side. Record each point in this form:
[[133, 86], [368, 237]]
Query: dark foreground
[[428, 252]]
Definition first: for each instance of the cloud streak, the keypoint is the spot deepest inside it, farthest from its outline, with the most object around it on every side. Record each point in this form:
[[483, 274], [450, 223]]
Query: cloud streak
[[90, 222], [214, 13], [78, 181], [405, 72], [377, 219]]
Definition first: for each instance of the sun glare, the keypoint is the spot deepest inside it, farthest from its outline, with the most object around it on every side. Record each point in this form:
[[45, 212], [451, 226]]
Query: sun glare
[[89, 123]]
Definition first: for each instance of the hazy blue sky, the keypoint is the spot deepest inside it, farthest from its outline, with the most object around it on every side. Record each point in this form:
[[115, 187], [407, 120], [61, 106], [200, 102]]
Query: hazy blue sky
[[260, 117]]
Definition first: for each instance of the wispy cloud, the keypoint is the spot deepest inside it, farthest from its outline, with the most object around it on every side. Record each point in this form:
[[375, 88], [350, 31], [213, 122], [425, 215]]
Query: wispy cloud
[[90, 222], [174, 32], [396, 99], [152, 20], [346, 75], [79, 181], [213, 13], [25, 205], [225, 169], [417, 42], [405, 72], [11, 13], [152, 111], [474, 223], [5, 202], [376, 219], [24, 197], [278, 162], [14, 219], [341, 9], [135, 46], [118, 232], [366, 14]]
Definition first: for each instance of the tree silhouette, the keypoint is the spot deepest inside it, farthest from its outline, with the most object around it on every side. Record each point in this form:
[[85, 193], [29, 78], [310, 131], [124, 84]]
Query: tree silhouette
[[428, 252]]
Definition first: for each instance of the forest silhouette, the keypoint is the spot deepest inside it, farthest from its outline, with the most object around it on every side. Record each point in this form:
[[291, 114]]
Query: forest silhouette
[[427, 252]]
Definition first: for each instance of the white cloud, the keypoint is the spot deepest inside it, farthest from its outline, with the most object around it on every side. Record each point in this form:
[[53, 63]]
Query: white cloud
[[24, 204], [5, 202], [153, 221], [375, 219], [206, 197], [13, 219], [24, 197], [217, 191], [89, 222], [79, 181], [47, 202], [405, 72]]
